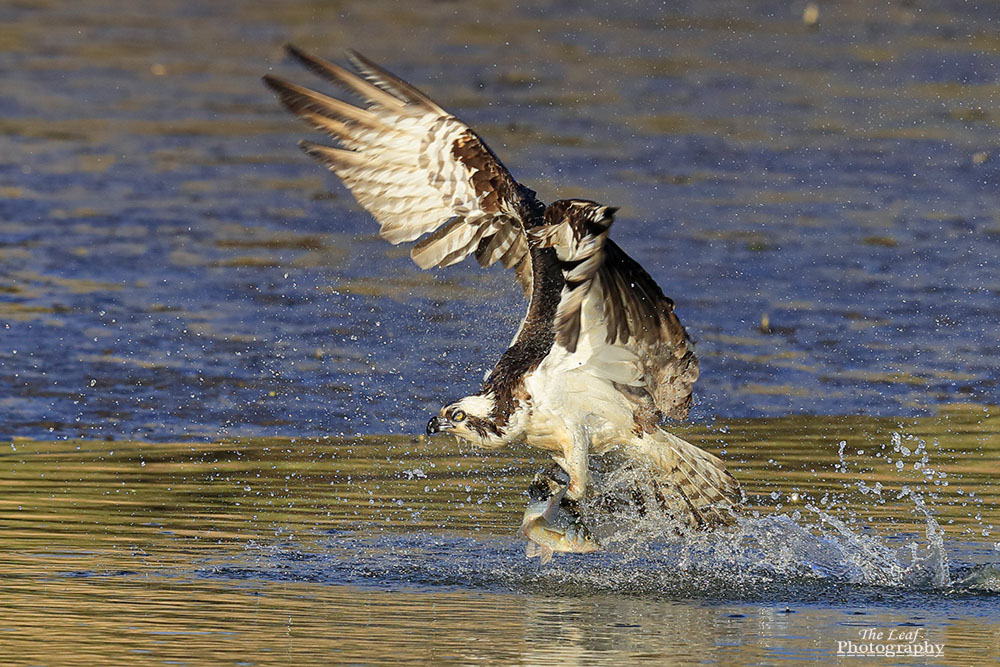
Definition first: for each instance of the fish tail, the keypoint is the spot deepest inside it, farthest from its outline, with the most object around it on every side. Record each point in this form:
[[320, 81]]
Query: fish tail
[[542, 552]]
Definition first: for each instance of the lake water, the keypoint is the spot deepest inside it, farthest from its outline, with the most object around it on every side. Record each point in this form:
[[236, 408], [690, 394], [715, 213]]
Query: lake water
[[212, 369], [274, 551]]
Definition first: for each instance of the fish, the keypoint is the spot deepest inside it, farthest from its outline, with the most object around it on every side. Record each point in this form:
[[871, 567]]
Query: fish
[[548, 529]]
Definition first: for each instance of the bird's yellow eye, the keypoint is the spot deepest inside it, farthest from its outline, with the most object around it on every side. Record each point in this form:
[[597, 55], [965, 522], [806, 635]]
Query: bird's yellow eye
[[458, 416]]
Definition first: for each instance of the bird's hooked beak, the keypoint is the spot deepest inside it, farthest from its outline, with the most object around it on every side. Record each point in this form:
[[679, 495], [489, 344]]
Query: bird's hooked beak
[[440, 423]]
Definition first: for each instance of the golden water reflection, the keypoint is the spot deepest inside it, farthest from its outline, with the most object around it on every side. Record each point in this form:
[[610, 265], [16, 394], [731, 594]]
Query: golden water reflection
[[104, 549]]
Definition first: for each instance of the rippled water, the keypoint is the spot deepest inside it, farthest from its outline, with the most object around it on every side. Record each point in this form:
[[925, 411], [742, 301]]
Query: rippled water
[[173, 266], [197, 323], [271, 550]]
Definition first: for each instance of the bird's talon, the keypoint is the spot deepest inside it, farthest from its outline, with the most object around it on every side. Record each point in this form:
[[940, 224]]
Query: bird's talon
[[571, 507]]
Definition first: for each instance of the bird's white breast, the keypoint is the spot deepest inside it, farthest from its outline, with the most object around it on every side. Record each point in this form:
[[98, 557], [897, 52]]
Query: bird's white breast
[[569, 403]]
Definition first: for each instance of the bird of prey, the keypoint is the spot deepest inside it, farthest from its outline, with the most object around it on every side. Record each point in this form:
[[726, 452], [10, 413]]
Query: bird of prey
[[600, 360]]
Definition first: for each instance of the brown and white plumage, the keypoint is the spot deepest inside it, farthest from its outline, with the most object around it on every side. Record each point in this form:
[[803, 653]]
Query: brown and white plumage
[[600, 358], [415, 167]]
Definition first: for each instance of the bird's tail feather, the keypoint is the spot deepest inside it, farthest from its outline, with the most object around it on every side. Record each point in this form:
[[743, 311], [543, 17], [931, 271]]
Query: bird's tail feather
[[693, 483]]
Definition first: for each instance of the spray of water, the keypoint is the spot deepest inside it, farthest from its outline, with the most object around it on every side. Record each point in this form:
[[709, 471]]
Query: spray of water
[[790, 548], [826, 538]]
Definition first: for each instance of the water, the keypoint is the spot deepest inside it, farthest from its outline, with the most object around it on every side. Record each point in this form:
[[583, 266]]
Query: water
[[172, 266], [276, 550], [212, 368]]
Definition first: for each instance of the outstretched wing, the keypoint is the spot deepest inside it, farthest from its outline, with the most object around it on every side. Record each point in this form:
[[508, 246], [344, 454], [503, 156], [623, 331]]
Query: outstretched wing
[[611, 303], [415, 167]]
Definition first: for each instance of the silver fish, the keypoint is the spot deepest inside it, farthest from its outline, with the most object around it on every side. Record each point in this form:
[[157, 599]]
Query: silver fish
[[546, 528]]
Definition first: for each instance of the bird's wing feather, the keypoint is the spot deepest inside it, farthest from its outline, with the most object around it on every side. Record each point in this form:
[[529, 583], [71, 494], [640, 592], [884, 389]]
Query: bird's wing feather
[[610, 301], [642, 319], [415, 167]]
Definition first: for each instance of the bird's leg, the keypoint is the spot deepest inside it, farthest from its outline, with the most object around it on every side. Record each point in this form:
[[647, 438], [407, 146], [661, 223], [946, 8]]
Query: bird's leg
[[548, 482], [576, 457]]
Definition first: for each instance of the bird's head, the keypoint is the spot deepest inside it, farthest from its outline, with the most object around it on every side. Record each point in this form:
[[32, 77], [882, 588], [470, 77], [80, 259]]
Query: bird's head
[[470, 419]]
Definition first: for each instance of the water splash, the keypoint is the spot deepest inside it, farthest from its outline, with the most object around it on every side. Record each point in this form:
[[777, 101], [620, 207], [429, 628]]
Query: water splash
[[820, 544], [826, 539], [809, 568]]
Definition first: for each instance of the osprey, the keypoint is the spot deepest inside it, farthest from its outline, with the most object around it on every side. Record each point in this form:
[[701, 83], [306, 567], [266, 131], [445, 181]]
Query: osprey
[[600, 359]]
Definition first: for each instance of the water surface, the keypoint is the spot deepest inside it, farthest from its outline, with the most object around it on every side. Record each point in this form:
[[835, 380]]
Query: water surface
[[212, 369], [172, 266], [269, 550]]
